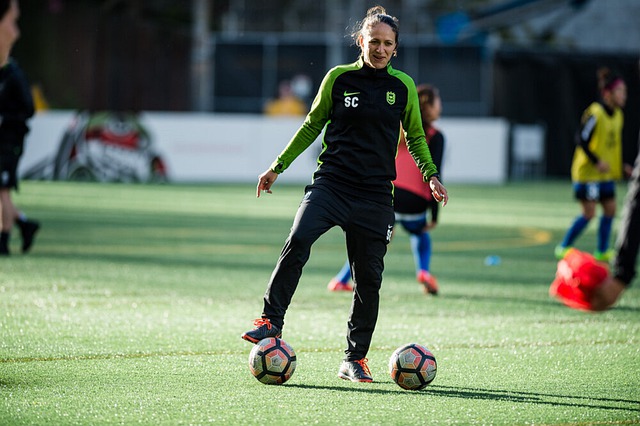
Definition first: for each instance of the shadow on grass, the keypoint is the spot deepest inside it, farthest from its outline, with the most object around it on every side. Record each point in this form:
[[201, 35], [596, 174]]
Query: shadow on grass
[[534, 398], [592, 402], [209, 261]]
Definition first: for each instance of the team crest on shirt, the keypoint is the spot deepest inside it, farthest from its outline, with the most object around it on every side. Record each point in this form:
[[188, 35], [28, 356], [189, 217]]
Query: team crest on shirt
[[391, 98]]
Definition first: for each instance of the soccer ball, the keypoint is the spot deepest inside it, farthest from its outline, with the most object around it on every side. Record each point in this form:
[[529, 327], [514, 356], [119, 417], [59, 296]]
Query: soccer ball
[[272, 361], [412, 366]]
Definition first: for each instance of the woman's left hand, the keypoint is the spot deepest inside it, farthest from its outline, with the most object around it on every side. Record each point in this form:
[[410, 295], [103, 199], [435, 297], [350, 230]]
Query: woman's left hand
[[438, 190]]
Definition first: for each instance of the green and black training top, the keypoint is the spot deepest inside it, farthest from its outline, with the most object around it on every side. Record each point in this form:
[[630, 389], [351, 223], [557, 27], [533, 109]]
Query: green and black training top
[[363, 109]]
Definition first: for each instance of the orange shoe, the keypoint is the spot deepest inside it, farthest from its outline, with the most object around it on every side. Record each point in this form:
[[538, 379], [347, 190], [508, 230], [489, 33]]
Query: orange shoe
[[577, 276], [428, 281], [263, 329], [335, 285]]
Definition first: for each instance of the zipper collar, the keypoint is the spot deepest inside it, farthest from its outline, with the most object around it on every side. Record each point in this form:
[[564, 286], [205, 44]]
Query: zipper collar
[[374, 71]]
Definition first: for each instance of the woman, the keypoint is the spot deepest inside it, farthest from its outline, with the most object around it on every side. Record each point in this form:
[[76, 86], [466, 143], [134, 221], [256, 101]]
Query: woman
[[412, 197], [363, 105], [16, 106], [597, 164]]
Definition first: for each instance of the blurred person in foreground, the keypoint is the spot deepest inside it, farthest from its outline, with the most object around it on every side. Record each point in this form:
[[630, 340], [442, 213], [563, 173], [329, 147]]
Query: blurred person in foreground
[[597, 164], [16, 107], [412, 198], [363, 105], [584, 283]]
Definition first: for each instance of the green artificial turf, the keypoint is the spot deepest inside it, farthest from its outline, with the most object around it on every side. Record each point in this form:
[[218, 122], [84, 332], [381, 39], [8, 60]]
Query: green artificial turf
[[130, 307]]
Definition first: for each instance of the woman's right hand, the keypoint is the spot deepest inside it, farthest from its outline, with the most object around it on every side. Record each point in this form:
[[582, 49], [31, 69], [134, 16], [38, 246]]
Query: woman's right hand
[[265, 180]]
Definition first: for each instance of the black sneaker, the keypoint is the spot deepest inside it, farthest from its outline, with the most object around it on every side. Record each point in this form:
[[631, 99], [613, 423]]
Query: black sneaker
[[263, 329], [28, 229], [356, 371], [4, 246]]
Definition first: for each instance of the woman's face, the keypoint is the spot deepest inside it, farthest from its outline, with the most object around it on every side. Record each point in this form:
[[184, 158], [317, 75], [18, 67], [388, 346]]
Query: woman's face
[[9, 31], [618, 95], [430, 111], [378, 43]]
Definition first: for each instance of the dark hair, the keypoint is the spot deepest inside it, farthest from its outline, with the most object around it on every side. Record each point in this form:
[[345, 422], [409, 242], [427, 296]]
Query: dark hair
[[374, 16], [607, 78], [428, 92], [4, 7]]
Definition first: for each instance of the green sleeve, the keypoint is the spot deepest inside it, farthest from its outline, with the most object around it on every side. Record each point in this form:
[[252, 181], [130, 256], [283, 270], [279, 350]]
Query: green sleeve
[[416, 140], [310, 129]]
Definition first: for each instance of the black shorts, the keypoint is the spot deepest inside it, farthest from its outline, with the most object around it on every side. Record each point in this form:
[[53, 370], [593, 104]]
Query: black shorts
[[407, 202], [9, 171], [594, 191]]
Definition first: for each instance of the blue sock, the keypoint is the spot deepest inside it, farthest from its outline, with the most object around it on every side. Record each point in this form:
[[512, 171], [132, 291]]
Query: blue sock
[[604, 232], [345, 273], [421, 248], [578, 225]]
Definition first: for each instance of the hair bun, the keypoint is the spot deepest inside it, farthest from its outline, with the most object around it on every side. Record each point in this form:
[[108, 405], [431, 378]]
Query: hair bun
[[376, 10]]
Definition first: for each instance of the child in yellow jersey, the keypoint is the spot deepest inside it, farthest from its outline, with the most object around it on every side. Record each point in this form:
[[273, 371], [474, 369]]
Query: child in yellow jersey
[[597, 163]]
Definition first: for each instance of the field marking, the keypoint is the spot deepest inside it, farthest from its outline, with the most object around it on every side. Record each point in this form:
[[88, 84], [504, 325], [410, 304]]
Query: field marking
[[528, 237]]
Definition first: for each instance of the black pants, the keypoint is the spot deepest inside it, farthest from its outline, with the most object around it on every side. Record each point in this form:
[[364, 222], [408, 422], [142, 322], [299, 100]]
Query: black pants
[[624, 266], [367, 226]]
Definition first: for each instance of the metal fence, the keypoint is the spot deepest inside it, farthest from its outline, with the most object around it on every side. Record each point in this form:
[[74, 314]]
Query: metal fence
[[248, 70]]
